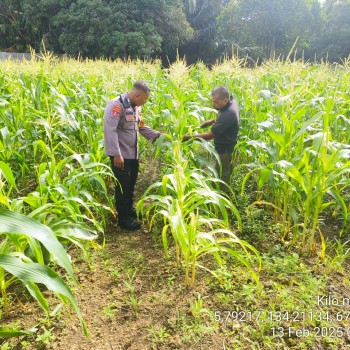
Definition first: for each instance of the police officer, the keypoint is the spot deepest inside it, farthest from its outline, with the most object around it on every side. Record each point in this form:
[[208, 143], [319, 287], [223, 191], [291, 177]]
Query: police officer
[[122, 123], [224, 130]]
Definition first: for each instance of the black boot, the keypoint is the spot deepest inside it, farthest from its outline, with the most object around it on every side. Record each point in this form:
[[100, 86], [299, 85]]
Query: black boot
[[133, 213], [129, 224]]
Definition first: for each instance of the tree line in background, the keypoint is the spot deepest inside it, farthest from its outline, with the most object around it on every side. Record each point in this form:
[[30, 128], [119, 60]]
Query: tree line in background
[[202, 29]]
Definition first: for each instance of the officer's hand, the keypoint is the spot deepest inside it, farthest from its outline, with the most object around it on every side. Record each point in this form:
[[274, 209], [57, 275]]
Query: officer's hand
[[186, 137], [119, 162]]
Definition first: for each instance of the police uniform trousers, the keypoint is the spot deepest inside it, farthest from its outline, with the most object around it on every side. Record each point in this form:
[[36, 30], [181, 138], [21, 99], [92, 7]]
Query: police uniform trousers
[[125, 185]]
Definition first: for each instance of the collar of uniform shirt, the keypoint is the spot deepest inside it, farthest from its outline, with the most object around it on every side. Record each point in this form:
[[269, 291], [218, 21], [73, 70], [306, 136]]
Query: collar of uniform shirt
[[127, 96]]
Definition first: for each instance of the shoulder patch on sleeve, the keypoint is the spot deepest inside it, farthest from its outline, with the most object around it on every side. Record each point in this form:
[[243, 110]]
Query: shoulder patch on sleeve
[[116, 111]]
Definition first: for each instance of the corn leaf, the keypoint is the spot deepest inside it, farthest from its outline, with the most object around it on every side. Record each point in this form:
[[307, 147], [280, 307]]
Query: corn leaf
[[15, 223], [9, 333], [29, 273]]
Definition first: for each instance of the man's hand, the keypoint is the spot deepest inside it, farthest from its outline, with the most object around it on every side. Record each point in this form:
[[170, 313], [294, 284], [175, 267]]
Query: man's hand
[[119, 162], [207, 123], [186, 137]]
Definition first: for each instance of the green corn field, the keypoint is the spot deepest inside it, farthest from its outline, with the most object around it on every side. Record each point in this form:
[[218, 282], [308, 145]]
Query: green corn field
[[56, 187]]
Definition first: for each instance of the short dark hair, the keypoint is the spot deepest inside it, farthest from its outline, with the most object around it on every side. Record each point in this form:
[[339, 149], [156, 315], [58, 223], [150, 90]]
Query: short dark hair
[[141, 85], [221, 91]]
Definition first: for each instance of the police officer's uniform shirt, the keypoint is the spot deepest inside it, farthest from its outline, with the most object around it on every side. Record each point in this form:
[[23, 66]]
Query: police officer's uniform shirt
[[121, 127], [225, 128]]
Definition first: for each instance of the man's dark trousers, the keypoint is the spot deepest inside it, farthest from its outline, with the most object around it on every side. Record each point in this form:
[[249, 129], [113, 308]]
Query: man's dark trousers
[[124, 188], [225, 171]]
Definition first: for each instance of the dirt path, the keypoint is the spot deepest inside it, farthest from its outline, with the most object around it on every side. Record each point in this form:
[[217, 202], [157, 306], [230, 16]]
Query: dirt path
[[128, 293]]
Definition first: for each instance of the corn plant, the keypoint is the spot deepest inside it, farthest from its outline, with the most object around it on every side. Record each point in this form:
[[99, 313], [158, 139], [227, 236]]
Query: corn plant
[[19, 233], [189, 208], [293, 146], [319, 172], [25, 247], [73, 184]]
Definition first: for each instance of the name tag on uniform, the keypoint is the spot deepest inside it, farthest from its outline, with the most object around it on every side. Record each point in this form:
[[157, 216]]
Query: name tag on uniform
[[129, 115]]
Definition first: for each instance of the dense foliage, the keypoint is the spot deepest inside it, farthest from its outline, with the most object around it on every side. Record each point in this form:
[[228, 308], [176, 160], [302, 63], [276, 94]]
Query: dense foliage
[[294, 161], [202, 29]]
